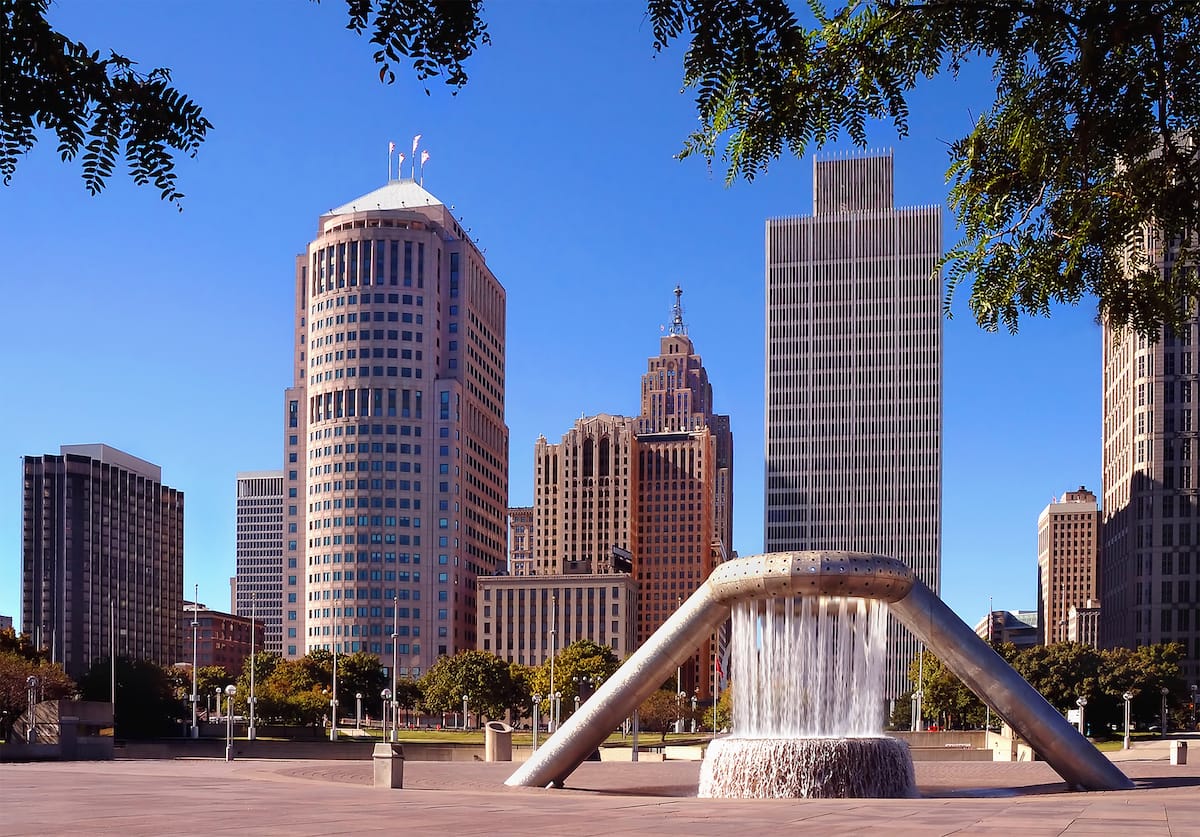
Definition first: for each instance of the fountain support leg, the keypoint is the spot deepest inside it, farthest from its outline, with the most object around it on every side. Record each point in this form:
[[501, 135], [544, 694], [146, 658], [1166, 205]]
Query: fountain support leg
[[822, 573], [995, 682]]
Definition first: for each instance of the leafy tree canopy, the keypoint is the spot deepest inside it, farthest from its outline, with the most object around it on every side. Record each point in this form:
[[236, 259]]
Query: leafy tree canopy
[[484, 678], [15, 670], [1087, 145], [578, 670], [146, 707]]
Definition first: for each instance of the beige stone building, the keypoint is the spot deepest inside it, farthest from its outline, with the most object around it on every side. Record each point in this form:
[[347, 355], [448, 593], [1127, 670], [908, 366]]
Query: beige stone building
[[1068, 560], [520, 540], [527, 619], [1083, 623], [396, 480]]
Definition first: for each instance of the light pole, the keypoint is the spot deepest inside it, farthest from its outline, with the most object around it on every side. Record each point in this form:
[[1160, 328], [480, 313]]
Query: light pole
[[916, 711], [537, 708], [358, 710], [693, 713], [250, 733], [395, 661], [219, 693], [1081, 702], [1128, 696], [230, 691], [32, 685], [1165, 692], [553, 654], [195, 661], [333, 699], [557, 709], [386, 696]]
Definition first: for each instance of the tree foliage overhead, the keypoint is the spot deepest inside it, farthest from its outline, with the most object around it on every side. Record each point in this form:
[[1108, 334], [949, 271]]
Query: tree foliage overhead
[[1087, 141], [1087, 146], [100, 107]]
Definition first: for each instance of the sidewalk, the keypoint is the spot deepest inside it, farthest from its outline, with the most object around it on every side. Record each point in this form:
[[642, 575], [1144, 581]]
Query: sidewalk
[[209, 797]]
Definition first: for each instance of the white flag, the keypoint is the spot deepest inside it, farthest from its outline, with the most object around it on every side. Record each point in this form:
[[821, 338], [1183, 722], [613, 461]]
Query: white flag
[[416, 140]]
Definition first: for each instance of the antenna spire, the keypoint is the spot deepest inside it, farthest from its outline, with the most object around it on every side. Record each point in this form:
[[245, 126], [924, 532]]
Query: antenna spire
[[677, 325]]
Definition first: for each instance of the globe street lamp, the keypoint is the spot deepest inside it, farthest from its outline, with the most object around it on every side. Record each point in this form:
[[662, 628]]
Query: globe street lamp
[[395, 661], [537, 703], [1165, 692], [230, 691], [251, 733], [1081, 702], [693, 713], [358, 710], [219, 693], [1128, 696], [386, 697], [557, 709], [32, 685]]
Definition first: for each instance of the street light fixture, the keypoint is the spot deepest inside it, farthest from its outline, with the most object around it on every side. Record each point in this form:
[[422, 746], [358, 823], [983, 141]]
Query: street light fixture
[[1081, 702], [195, 662], [230, 691], [386, 696], [250, 732], [358, 710], [694, 699], [1165, 692], [1128, 696], [219, 692], [557, 710], [395, 662], [537, 709]]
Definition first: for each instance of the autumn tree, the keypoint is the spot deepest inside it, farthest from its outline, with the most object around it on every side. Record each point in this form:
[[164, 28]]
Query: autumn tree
[[659, 712], [16, 667]]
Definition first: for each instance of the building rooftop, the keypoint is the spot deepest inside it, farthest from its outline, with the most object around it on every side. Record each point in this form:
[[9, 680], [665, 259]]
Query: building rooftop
[[397, 194]]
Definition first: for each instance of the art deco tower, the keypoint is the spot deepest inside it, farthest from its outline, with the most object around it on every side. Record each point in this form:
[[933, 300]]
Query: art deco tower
[[854, 379], [396, 478]]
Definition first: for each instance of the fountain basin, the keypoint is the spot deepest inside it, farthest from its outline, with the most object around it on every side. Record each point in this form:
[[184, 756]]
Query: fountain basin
[[807, 768]]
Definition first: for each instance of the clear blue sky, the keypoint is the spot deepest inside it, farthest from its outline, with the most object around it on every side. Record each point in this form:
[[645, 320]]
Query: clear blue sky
[[132, 324]]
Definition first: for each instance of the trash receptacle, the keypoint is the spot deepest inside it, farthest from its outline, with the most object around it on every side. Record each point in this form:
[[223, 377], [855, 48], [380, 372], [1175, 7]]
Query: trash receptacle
[[1178, 752], [389, 765], [497, 741]]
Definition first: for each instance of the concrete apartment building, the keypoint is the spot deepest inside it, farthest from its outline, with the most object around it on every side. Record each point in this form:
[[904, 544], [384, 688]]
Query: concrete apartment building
[[1150, 570], [528, 619], [396, 478], [258, 588], [653, 493], [520, 541], [101, 548], [854, 378], [1068, 560], [222, 639]]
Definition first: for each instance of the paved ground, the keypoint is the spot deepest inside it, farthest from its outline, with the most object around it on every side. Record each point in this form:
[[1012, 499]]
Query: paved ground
[[199, 796]]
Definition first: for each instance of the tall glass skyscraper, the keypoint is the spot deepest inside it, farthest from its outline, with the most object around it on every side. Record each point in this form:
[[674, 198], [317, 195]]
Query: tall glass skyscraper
[[396, 479], [854, 380]]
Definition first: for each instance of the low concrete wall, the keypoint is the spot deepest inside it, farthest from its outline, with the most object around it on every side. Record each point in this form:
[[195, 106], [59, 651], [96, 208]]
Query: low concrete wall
[[335, 750]]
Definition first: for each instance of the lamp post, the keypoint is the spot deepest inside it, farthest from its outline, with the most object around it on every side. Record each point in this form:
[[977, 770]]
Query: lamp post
[[195, 662], [31, 684], [230, 691], [250, 733], [386, 698], [1165, 692], [219, 693], [557, 710], [395, 661], [694, 699], [465, 725], [358, 710], [537, 706], [553, 654], [917, 699], [333, 700], [1081, 702], [1128, 696]]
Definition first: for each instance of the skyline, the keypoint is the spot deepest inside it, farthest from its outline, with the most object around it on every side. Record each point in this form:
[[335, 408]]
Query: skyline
[[166, 325]]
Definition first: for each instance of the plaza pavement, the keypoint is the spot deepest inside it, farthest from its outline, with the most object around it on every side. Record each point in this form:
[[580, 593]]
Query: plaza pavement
[[253, 797]]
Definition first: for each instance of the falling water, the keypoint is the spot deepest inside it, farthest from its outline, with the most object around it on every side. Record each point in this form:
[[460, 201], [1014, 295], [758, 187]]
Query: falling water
[[808, 703], [808, 667]]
